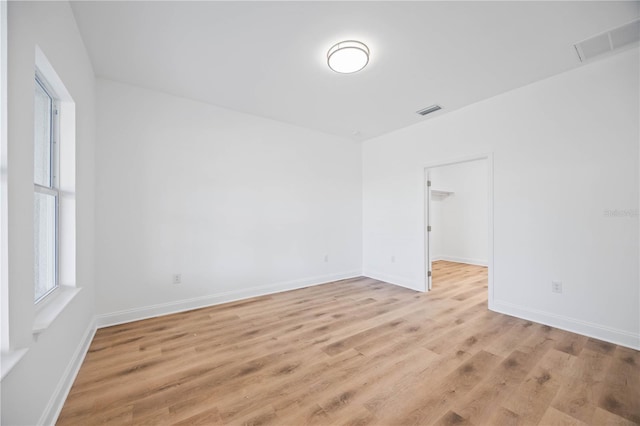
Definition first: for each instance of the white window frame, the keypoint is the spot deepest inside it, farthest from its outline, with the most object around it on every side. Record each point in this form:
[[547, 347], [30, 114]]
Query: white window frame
[[53, 189]]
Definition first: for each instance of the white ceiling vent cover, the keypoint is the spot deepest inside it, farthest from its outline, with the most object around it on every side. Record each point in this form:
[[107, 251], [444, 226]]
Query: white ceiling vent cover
[[609, 41]]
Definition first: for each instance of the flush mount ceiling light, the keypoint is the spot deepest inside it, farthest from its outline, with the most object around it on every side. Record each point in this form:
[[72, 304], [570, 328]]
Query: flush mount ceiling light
[[348, 56]]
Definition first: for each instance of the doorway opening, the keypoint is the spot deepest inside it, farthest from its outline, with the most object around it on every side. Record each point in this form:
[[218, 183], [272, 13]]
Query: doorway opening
[[459, 226]]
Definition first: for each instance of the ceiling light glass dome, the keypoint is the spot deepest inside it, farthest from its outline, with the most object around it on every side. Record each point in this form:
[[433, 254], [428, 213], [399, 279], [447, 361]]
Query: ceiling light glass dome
[[348, 56]]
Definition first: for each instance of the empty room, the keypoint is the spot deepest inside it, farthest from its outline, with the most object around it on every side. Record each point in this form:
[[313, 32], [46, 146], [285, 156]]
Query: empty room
[[320, 212]]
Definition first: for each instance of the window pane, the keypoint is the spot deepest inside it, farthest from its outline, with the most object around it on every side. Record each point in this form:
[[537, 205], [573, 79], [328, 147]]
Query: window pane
[[44, 227], [42, 146]]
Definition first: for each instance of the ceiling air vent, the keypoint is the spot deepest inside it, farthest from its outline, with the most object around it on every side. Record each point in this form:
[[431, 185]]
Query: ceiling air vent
[[429, 109], [608, 41]]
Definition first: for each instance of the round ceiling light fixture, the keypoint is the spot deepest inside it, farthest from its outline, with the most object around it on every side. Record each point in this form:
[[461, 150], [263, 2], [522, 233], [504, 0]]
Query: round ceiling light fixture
[[348, 56]]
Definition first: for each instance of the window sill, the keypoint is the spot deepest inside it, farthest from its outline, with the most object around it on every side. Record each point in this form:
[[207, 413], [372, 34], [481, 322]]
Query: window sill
[[52, 308], [9, 360]]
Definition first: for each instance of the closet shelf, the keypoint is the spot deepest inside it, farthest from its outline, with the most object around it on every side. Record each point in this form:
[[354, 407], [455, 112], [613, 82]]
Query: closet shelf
[[440, 194]]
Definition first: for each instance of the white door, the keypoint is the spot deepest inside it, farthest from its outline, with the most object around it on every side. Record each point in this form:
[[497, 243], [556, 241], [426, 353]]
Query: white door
[[428, 231]]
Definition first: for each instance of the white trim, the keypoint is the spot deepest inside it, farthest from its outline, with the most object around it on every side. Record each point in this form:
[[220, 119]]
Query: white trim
[[589, 329], [151, 311], [43, 65], [469, 261], [5, 330], [59, 396], [459, 160], [393, 279], [428, 246]]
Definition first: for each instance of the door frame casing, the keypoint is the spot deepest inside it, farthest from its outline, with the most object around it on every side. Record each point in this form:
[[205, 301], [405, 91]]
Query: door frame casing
[[428, 242], [425, 175]]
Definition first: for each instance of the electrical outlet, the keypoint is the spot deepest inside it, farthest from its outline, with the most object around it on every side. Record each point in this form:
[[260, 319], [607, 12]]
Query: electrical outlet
[[326, 258], [177, 278], [556, 286]]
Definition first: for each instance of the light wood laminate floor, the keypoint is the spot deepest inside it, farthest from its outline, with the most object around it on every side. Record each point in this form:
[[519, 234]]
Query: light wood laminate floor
[[355, 352]]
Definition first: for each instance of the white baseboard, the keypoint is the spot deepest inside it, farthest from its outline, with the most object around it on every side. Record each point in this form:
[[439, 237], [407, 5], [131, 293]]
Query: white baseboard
[[597, 331], [394, 279], [144, 312], [54, 407], [479, 262]]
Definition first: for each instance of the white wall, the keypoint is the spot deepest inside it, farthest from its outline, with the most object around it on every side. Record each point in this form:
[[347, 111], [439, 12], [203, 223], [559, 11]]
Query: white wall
[[237, 204], [31, 391], [460, 223], [565, 150]]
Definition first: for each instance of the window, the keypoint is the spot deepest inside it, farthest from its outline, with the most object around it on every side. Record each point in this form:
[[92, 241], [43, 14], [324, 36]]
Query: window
[[46, 194]]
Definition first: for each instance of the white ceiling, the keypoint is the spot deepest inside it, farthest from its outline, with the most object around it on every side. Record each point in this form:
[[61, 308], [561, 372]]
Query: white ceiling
[[269, 58]]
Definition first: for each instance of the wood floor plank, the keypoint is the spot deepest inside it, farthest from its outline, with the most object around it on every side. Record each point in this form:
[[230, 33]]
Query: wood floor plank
[[354, 352], [553, 417], [452, 418], [478, 405], [427, 407], [532, 398], [574, 399], [620, 393], [606, 418]]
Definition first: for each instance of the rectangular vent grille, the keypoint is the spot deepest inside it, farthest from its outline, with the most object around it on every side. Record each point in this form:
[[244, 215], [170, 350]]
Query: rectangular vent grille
[[609, 41], [429, 109]]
